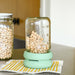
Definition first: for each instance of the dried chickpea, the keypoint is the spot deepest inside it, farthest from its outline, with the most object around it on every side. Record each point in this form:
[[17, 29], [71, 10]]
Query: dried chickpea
[[36, 43], [6, 42]]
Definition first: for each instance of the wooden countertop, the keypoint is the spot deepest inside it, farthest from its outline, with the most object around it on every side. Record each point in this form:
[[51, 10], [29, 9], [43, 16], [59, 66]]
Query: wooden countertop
[[67, 54]]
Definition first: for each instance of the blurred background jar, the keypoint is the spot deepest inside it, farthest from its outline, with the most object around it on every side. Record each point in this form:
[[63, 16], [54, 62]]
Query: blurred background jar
[[6, 35], [38, 34]]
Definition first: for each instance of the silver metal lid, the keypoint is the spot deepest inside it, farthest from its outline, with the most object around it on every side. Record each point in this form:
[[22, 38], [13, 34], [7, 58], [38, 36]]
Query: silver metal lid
[[6, 15]]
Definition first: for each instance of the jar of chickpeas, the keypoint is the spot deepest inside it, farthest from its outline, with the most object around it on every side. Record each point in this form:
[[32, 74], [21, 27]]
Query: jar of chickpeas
[[6, 35], [38, 34]]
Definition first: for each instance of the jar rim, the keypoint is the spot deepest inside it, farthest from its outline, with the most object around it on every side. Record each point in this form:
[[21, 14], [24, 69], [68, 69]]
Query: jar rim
[[6, 15]]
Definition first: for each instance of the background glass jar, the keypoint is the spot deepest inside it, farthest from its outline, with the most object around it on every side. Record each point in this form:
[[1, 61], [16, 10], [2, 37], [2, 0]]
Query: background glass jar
[[6, 35], [38, 34]]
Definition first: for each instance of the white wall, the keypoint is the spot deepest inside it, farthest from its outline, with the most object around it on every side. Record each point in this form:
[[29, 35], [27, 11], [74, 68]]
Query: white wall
[[62, 15], [45, 8]]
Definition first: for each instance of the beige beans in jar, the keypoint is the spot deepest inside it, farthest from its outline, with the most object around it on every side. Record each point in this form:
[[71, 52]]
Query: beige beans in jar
[[35, 43], [6, 42]]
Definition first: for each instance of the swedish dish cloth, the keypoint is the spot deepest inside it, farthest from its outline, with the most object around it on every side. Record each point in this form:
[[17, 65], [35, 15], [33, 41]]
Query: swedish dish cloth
[[17, 66]]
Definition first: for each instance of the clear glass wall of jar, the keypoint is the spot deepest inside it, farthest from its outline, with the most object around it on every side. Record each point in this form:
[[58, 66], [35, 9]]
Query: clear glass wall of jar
[[6, 35], [38, 34]]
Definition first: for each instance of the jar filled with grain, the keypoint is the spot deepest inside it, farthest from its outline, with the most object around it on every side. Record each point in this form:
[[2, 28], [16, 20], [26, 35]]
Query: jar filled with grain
[[6, 35], [38, 34]]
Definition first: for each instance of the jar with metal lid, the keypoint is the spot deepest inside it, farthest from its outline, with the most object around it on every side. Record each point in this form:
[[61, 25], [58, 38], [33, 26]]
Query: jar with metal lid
[[38, 34], [6, 35]]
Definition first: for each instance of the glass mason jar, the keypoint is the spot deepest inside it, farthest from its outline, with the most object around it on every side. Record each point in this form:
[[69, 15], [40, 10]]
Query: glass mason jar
[[38, 34], [6, 35]]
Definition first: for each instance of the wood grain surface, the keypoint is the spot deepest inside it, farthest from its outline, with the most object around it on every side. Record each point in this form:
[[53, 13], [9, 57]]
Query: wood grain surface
[[21, 9]]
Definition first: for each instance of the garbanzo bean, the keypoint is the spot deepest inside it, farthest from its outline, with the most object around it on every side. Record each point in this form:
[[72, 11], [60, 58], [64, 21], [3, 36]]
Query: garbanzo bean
[[36, 44], [6, 42]]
